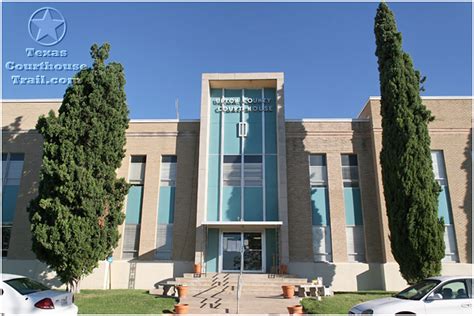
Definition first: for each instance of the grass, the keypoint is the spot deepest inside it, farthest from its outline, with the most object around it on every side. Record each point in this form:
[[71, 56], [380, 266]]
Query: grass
[[341, 302], [121, 302]]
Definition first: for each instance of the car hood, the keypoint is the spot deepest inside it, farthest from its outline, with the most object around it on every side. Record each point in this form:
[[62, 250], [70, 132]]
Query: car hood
[[373, 304]]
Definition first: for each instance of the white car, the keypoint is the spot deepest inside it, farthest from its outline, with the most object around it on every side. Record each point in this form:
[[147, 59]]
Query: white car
[[436, 295], [20, 295]]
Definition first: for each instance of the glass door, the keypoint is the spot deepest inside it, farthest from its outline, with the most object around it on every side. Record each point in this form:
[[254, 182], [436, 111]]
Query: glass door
[[231, 252], [252, 252], [238, 246]]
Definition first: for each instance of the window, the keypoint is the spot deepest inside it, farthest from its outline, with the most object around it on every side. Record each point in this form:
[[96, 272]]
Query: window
[[164, 233], [453, 290], [168, 171], [131, 239], [137, 170], [231, 172], [253, 171], [320, 208], [12, 169], [353, 207], [444, 206], [350, 172]]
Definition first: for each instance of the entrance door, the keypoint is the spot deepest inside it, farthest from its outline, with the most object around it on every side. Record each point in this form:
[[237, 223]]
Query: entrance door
[[238, 246]]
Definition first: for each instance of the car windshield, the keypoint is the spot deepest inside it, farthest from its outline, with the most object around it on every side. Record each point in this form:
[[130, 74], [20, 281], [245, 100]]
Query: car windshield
[[417, 291], [26, 286]]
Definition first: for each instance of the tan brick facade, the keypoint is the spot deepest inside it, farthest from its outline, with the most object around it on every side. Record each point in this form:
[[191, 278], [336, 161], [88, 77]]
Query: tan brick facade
[[450, 132]]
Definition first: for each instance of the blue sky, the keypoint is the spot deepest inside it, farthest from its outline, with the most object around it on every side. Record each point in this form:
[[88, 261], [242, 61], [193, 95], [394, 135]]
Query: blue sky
[[326, 50]]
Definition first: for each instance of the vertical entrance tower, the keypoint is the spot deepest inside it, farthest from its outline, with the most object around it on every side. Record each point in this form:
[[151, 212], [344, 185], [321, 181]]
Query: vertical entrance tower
[[242, 212]]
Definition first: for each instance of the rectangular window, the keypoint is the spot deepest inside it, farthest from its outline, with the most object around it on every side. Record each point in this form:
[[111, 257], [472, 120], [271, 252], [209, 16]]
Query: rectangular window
[[253, 171], [231, 171], [320, 208], [12, 169], [131, 238], [444, 206], [164, 234], [353, 208]]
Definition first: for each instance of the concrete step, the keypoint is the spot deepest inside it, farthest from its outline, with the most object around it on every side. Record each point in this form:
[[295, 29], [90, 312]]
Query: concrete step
[[190, 282], [236, 275]]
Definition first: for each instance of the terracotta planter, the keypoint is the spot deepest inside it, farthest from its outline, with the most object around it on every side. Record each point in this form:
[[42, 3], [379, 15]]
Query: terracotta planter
[[283, 269], [182, 291], [181, 308], [295, 309], [197, 268], [288, 291]]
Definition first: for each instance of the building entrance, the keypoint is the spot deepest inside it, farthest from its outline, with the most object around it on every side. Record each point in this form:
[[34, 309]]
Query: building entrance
[[242, 251]]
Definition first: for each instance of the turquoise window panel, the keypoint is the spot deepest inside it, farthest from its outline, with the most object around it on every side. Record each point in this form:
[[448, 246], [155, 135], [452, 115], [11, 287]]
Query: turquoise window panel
[[134, 205], [231, 203], [232, 117], [212, 250], [166, 205], [271, 123], [253, 140], [444, 205], [214, 138], [231, 138], [271, 171], [9, 196], [214, 116], [319, 205], [214, 122], [253, 204], [271, 203], [213, 204], [353, 206], [213, 170], [271, 248], [271, 188]]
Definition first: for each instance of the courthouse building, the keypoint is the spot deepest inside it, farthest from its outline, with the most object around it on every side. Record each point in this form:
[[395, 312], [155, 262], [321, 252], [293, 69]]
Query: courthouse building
[[245, 189]]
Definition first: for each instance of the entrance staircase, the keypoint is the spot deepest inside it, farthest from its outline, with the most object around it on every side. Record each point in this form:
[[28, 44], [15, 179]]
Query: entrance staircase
[[216, 293]]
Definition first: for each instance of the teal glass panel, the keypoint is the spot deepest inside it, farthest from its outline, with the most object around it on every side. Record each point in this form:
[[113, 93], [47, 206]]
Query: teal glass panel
[[9, 196], [212, 250], [444, 205], [235, 94], [231, 138], [271, 188], [166, 205], [213, 170], [213, 187], [271, 255], [231, 203], [319, 205], [134, 205], [231, 120], [271, 123], [253, 140], [213, 204], [214, 122], [253, 204], [353, 206]]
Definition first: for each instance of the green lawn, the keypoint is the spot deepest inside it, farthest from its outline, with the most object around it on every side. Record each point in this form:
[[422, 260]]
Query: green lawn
[[340, 303], [121, 302]]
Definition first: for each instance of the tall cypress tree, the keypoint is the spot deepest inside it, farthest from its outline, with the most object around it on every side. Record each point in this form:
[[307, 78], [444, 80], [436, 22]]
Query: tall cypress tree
[[75, 217], [411, 192]]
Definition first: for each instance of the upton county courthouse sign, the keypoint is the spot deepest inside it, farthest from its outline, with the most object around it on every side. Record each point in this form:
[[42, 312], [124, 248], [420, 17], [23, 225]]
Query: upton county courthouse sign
[[249, 104]]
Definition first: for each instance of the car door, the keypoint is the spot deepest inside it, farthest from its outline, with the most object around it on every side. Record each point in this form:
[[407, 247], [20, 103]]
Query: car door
[[454, 297]]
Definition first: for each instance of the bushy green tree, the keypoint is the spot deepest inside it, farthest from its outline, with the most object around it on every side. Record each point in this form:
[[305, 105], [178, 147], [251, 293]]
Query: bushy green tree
[[75, 217], [411, 192]]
